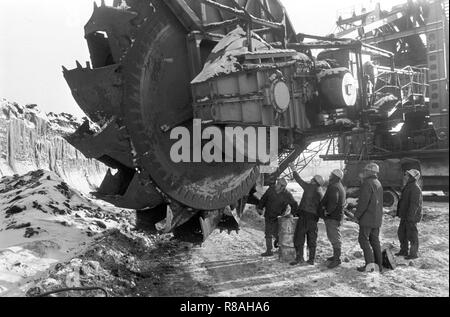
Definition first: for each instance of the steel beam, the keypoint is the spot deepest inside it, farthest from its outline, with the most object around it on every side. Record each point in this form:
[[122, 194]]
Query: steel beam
[[244, 15], [418, 30], [383, 156], [353, 33], [185, 14]]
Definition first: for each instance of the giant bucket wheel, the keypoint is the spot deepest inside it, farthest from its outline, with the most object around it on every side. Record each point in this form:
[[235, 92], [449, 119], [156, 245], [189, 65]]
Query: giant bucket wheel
[[138, 84]]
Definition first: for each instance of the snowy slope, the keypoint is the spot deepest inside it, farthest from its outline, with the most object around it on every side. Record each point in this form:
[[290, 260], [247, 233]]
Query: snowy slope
[[43, 221], [31, 140]]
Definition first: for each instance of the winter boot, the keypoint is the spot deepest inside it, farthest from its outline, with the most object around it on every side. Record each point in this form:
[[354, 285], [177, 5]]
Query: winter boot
[[336, 259], [268, 248], [312, 256], [413, 250], [403, 248], [298, 261], [411, 257], [299, 258]]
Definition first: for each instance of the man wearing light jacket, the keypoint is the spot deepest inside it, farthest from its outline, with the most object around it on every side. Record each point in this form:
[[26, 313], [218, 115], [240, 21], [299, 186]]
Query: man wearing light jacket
[[410, 212], [369, 215]]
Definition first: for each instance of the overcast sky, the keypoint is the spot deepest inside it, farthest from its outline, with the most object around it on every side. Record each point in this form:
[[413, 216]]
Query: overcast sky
[[38, 36]]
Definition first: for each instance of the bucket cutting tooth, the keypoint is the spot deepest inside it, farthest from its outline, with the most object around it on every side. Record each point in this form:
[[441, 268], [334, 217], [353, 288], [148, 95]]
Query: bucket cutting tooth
[[209, 222], [97, 91], [177, 216]]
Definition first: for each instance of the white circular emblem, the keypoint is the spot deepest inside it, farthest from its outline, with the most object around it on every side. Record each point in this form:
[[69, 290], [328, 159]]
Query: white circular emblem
[[281, 97]]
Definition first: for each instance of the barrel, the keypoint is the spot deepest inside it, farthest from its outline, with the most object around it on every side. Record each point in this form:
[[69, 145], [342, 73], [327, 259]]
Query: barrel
[[286, 230]]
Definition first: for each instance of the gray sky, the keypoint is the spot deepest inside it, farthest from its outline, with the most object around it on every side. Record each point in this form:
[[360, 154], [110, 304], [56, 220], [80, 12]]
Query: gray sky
[[38, 36]]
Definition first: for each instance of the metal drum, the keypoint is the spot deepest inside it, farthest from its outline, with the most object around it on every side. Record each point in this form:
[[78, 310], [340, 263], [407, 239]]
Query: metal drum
[[286, 230], [338, 87]]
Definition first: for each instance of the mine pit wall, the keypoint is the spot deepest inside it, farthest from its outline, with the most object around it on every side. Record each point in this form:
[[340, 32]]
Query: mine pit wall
[[30, 143]]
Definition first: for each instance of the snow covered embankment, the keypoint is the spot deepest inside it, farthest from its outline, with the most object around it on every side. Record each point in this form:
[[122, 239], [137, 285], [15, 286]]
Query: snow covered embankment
[[31, 140], [43, 222]]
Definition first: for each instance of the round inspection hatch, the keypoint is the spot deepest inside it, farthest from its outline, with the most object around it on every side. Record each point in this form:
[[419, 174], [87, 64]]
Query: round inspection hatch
[[281, 97]]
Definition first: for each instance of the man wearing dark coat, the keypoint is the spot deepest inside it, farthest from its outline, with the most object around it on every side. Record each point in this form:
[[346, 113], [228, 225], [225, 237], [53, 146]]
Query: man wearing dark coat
[[409, 210], [369, 215], [332, 205], [275, 202], [308, 217]]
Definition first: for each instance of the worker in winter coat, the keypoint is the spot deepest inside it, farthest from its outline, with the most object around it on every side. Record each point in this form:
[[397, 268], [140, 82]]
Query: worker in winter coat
[[369, 214], [308, 217], [409, 210], [332, 210], [275, 202]]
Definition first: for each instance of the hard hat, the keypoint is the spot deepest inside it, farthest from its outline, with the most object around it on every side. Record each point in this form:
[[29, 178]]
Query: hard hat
[[282, 182], [338, 173], [319, 180], [414, 173], [372, 167]]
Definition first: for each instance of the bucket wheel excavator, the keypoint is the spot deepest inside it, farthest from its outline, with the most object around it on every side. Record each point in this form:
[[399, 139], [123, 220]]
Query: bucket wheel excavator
[[157, 65]]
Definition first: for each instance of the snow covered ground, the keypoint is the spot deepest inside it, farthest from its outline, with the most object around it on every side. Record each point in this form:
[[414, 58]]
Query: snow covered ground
[[42, 222], [65, 239]]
